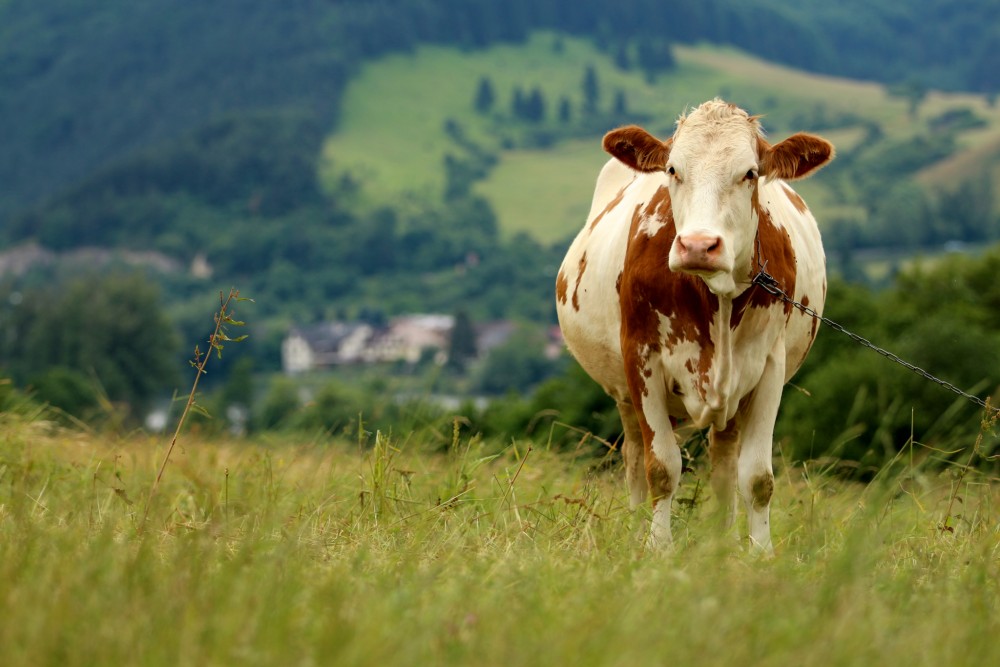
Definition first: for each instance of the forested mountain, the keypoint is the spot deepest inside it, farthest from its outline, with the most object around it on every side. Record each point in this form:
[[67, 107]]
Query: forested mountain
[[82, 84]]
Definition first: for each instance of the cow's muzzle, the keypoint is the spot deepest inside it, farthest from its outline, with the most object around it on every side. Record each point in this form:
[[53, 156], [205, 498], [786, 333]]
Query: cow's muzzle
[[699, 253]]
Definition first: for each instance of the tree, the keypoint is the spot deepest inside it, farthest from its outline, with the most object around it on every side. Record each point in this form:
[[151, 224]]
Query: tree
[[534, 108], [914, 91], [485, 97], [565, 112], [591, 90], [655, 56], [620, 106], [517, 103], [622, 59], [462, 343], [110, 328], [518, 364]]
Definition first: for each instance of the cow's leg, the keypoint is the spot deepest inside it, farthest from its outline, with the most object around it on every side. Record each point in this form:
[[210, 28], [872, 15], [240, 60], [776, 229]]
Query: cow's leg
[[723, 450], [756, 476], [663, 458], [648, 391], [632, 452], [663, 473]]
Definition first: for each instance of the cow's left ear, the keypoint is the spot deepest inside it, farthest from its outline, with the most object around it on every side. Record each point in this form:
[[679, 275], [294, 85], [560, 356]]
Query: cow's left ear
[[637, 148], [796, 157]]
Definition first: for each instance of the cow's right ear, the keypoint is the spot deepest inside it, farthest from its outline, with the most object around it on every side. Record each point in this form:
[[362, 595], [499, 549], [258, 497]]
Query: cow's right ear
[[637, 148]]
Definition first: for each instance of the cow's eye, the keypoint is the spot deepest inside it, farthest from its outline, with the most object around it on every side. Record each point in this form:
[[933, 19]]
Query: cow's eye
[[750, 175], [671, 171]]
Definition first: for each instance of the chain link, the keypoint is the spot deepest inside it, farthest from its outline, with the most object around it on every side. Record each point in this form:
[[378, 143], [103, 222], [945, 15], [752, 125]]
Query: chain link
[[769, 284]]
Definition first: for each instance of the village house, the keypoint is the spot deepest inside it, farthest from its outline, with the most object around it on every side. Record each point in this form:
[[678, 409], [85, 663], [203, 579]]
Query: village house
[[408, 338]]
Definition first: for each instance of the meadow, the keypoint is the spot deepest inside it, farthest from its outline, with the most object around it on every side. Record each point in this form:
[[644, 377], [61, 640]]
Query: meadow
[[439, 548]]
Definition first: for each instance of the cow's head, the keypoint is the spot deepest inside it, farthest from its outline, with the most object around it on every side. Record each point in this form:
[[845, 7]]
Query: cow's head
[[713, 164]]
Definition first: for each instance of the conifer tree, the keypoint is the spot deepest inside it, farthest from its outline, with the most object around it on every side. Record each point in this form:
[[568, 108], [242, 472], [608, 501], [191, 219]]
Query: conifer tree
[[485, 97], [591, 90]]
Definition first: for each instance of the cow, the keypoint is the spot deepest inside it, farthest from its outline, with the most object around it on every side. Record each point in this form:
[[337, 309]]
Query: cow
[[657, 302]]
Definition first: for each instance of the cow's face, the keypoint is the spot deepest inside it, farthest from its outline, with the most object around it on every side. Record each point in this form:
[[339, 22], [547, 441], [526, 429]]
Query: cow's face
[[713, 165]]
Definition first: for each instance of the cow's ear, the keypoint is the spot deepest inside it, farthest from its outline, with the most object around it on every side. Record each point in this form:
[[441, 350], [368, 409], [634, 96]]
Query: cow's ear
[[637, 148], [796, 157]]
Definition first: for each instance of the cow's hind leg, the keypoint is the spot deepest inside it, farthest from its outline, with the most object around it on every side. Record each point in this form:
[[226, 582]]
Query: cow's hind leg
[[723, 450], [632, 452]]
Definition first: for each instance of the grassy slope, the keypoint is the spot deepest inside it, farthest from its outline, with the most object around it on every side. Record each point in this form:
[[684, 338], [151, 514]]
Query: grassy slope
[[314, 553], [392, 130]]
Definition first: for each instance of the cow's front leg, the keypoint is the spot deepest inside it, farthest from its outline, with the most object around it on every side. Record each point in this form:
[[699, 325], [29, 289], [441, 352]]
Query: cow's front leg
[[756, 476], [663, 456], [663, 474]]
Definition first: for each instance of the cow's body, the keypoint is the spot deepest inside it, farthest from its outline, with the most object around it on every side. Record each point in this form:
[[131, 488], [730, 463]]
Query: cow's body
[[668, 322]]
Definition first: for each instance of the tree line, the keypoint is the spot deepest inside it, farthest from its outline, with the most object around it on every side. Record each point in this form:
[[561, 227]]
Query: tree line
[[533, 106]]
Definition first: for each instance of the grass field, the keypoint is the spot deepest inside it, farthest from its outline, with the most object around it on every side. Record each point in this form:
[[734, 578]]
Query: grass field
[[414, 551], [392, 136]]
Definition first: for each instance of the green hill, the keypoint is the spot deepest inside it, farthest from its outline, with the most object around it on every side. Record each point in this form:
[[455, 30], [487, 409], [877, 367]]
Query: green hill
[[393, 134], [83, 86]]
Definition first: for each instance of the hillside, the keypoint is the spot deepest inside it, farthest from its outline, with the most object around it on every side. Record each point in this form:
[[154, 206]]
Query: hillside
[[82, 86], [394, 137]]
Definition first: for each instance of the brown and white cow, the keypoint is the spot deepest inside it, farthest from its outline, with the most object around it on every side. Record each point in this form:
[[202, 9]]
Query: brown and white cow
[[656, 303]]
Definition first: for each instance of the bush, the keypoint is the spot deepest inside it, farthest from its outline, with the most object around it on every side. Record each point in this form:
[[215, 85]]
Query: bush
[[69, 390], [864, 408]]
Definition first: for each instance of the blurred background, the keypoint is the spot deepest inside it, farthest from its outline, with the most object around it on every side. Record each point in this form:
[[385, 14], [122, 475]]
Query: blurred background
[[394, 184]]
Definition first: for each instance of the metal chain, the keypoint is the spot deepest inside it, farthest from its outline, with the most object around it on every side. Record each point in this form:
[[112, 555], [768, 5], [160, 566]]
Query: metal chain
[[769, 284]]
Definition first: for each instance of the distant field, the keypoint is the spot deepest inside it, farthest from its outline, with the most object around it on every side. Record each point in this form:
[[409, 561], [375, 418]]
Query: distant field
[[392, 131], [414, 551], [545, 193]]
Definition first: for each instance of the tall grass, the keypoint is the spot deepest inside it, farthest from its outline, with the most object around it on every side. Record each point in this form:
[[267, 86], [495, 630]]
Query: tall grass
[[323, 552]]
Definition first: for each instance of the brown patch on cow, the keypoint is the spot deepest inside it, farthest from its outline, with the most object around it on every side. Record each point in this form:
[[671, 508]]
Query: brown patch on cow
[[562, 287], [661, 485], [658, 208], [579, 276], [805, 301], [796, 200], [761, 490], [774, 249], [650, 291], [618, 283], [607, 209]]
